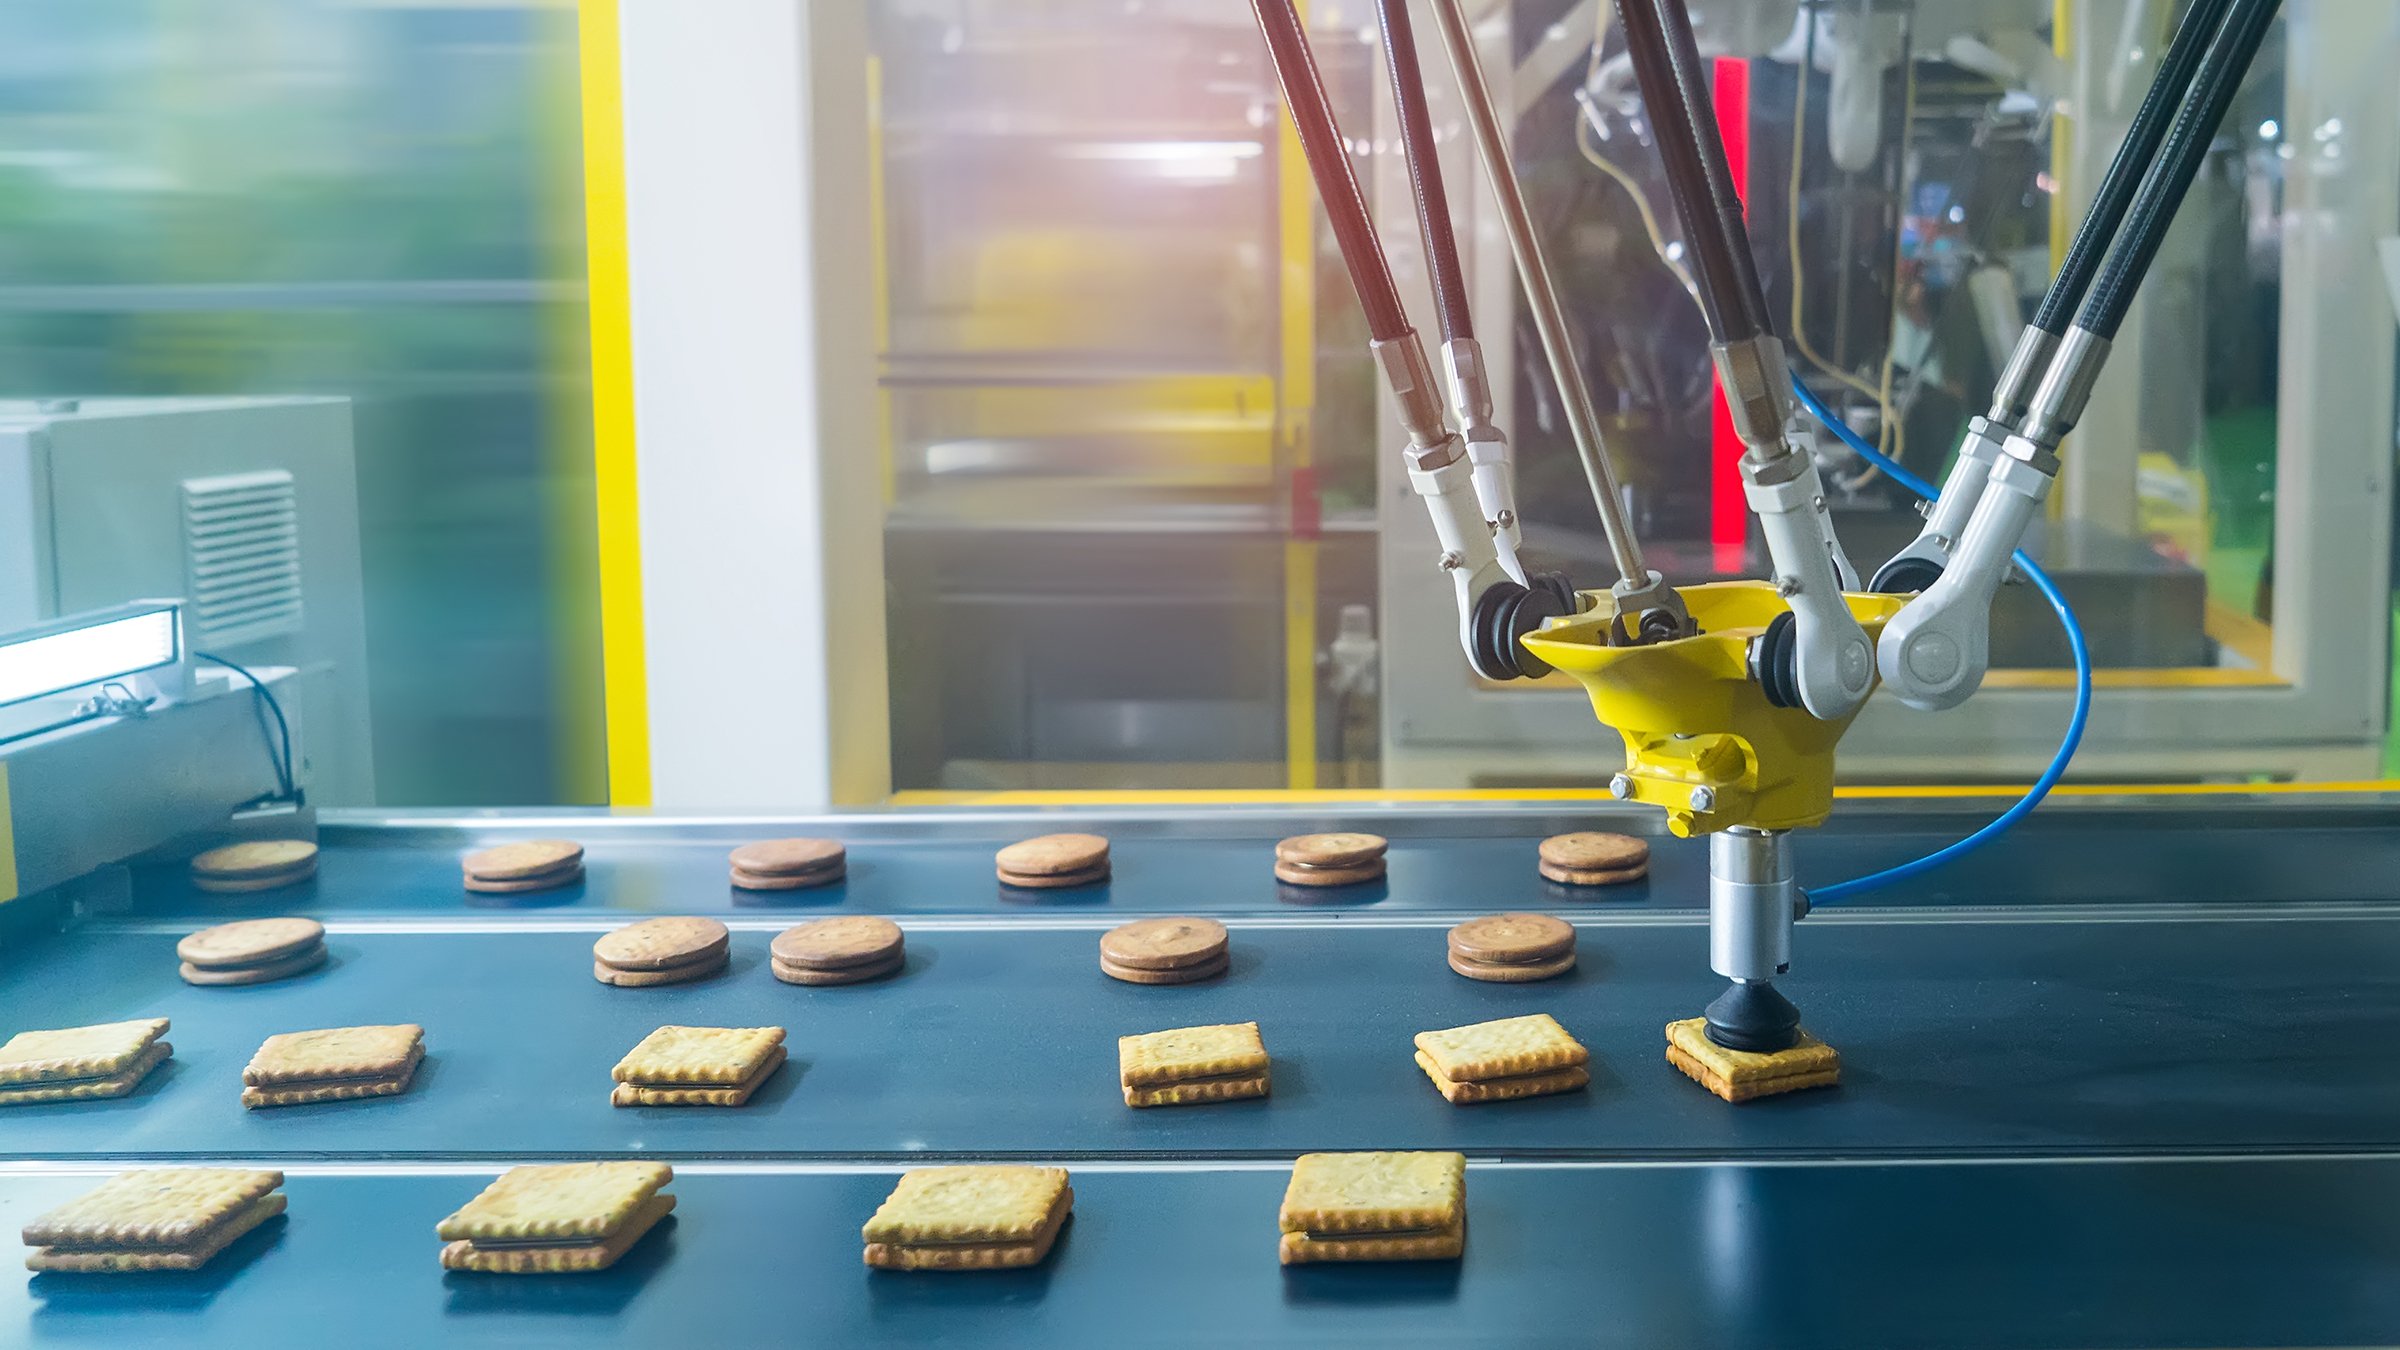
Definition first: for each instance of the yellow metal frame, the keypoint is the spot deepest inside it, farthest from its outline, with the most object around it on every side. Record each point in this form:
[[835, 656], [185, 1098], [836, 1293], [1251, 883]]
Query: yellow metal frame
[[1296, 218], [1701, 740], [624, 666]]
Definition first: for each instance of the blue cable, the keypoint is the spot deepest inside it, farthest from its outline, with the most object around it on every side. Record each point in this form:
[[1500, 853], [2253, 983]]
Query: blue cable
[[2083, 685]]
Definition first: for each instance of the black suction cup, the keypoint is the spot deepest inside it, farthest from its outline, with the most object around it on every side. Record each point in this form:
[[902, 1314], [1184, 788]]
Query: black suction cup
[[1753, 1016]]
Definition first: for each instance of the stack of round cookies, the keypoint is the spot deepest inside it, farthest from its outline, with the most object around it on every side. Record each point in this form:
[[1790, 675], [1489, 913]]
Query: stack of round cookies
[[1512, 948], [1165, 951], [1594, 858], [661, 951], [1347, 859], [1054, 861], [789, 864], [252, 951], [526, 865], [845, 949], [259, 865]]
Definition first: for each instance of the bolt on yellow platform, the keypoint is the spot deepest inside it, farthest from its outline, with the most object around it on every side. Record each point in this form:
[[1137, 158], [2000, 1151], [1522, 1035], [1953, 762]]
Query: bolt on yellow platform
[[1694, 718]]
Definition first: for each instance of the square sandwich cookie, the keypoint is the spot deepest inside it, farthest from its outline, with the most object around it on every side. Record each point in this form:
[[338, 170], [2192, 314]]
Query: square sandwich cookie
[[333, 1065], [661, 951], [1503, 1060], [522, 866], [1375, 1207], [257, 865], [75, 1063], [556, 1219], [697, 1066], [969, 1218], [1739, 1075], [251, 951], [169, 1218], [1190, 1065]]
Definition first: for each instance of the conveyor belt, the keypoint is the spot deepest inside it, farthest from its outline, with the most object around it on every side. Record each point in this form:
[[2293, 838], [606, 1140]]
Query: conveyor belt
[[1724, 1257], [1959, 1036], [944, 866], [2124, 1080]]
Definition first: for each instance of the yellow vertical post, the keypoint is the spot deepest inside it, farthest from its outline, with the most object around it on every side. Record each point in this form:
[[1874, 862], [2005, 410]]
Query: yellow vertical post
[[2062, 134], [1296, 404], [879, 261], [623, 663]]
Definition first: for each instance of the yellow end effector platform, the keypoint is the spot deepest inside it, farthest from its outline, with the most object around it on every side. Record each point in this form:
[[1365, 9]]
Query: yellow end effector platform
[[1701, 739]]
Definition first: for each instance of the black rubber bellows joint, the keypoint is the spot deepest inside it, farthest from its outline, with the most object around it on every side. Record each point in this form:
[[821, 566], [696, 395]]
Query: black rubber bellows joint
[[1506, 612], [1906, 576], [1754, 1016], [1775, 661]]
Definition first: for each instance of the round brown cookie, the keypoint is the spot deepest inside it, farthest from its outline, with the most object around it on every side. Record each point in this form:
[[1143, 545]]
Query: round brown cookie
[[1292, 874], [752, 881], [297, 964], [249, 942], [254, 859], [1331, 850], [1594, 851], [788, 857], [1521, 972], [1164, 944], [639, 979], [522, 860], [567, 876], [1566, 877], [1512, 939], [1053, 855], [842, 941], [247, 885], [1056, 881], [661, 944], [791, 974], [1207, 970]]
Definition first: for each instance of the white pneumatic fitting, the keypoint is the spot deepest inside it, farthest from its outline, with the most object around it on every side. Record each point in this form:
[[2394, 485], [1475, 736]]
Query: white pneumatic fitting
[[1935, 651]]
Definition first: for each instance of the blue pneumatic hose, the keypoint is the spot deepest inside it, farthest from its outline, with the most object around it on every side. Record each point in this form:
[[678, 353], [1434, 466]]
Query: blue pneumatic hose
[[2083, 685]]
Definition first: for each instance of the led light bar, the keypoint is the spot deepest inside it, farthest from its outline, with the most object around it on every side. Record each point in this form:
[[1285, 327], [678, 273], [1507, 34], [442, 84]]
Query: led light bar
[[88, 649]]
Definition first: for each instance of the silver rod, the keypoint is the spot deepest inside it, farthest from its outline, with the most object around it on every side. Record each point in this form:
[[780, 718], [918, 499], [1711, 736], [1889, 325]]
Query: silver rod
[[1533, 272]]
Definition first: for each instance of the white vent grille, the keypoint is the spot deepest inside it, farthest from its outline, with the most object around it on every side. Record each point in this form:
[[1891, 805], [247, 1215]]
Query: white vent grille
[[241, 548]]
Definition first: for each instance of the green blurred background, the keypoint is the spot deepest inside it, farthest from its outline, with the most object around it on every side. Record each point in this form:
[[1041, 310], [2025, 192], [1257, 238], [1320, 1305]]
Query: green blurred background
[[376, 200]]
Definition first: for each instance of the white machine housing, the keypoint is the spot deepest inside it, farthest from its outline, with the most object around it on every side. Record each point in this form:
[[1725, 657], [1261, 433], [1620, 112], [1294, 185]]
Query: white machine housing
[[246, 507]]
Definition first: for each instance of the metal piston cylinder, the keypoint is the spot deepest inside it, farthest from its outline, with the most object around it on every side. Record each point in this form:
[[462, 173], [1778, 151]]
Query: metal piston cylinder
[[1752, 900]]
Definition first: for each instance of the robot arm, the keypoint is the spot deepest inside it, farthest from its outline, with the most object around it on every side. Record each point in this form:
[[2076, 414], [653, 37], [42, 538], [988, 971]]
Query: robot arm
[[1935, 651], [1821, 659], [1465, 482]]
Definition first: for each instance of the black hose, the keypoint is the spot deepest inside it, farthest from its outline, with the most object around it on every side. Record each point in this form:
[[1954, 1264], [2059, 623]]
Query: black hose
[[2153, 209], [1722, 301], [1425, 172], [1329, 161], [2115, 194]]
